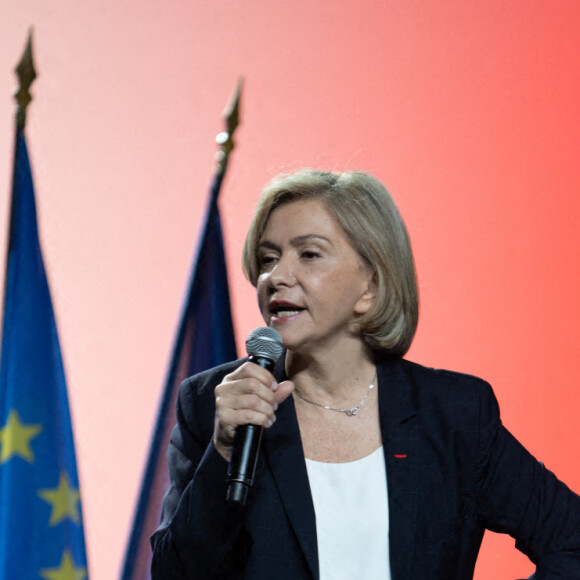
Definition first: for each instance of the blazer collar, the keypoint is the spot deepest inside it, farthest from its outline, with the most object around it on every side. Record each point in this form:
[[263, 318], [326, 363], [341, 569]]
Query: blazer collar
[[396, 404]]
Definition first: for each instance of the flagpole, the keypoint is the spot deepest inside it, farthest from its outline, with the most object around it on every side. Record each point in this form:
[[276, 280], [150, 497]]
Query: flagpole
[[26, 75], [225, 139]]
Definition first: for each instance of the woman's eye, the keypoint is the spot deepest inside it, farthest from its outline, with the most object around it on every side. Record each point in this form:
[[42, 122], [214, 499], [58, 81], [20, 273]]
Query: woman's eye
[[310, 255], [266, 260]]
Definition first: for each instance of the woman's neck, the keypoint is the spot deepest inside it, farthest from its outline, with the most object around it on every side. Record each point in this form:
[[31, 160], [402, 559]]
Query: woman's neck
[[334, 376]]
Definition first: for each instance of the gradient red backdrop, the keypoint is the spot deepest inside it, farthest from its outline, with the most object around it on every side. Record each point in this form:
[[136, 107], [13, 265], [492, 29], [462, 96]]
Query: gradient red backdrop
[[468, 111]]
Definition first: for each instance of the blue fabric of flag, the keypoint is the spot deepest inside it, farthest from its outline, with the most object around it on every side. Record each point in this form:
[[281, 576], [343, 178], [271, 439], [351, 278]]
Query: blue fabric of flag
[[41, 529], [205, 338]]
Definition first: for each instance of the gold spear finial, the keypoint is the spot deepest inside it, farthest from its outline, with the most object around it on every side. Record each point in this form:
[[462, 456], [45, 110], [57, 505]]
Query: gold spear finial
[[225, 138], [26, 75]]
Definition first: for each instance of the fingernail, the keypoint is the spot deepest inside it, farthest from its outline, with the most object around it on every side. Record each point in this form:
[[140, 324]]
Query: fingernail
[[274, 386], [275, 406]]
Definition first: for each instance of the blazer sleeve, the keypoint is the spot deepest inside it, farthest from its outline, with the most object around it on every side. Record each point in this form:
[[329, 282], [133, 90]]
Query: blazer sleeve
[[199, 536], [519, 496]]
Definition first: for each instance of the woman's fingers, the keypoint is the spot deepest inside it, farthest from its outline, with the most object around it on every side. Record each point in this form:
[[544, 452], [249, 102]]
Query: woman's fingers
[[244, 410], [245, 397]]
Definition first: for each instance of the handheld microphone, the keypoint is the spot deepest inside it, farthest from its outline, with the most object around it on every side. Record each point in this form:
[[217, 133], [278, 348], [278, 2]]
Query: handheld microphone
[[264, 347]]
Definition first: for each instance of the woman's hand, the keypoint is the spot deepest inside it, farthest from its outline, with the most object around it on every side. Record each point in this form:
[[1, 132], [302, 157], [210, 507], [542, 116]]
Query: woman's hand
[[248, 396]]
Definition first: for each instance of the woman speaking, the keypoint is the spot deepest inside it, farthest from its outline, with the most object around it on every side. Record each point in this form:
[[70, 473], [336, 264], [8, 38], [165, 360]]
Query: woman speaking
[[371, 466]]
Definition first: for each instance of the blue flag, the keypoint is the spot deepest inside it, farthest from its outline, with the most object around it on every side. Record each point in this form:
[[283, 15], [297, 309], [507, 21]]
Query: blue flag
[[41, 529], [205, 338]]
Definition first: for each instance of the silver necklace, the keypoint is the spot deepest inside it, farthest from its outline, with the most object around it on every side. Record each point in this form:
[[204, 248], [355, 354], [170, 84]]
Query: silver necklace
[[348, 412]]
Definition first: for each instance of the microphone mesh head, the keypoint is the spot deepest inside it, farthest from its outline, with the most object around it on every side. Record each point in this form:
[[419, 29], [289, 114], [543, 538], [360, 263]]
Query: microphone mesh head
[[264, 342]]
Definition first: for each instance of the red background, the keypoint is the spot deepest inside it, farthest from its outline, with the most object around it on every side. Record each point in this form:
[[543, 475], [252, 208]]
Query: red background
[[468, 111]]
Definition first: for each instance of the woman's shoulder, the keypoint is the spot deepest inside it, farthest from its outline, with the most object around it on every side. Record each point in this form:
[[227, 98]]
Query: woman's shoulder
[[438, 386], [441, 377]]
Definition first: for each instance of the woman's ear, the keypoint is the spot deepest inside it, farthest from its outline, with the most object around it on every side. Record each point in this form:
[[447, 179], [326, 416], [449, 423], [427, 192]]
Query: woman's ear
[[367, 299]]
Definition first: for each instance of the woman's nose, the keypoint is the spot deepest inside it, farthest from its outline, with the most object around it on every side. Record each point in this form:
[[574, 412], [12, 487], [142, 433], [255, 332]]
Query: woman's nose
[[282, 274]]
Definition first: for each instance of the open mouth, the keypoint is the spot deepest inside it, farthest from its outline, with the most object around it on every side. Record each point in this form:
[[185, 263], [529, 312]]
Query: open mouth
[[286, 313], [280, 310]]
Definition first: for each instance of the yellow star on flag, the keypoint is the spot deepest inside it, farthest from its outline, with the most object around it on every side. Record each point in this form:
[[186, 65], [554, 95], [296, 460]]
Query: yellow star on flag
[[15, 438], [66, 570], [64, 500]]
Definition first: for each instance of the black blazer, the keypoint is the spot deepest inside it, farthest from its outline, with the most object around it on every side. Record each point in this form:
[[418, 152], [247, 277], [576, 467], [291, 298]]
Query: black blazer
[[453, 470]]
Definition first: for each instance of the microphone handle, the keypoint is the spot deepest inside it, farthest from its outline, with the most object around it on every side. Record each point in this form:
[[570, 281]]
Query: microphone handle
[[246, 447], [243, 463]]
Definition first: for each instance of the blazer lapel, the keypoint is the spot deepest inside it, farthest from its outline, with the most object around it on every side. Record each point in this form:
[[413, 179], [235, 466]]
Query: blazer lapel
[[282, 448], [398, 428]]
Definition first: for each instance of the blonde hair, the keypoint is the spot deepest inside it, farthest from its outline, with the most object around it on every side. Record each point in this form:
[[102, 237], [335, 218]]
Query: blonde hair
[[372, 223]]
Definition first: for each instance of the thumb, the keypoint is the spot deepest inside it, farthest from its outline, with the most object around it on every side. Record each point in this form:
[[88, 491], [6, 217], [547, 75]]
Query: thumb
[[284, 389]]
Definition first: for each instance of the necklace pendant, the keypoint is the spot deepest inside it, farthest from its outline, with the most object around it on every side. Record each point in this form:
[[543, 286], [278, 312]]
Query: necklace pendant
[[352, 412]]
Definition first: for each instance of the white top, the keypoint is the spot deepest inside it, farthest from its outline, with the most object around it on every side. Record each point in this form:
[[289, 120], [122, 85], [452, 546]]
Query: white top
[[352, 518]]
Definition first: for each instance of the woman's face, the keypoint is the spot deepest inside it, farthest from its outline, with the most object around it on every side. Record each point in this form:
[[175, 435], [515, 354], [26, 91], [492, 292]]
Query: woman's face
[[312, 284]]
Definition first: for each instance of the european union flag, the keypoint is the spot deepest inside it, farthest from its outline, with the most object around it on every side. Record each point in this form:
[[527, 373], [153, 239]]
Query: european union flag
[[41, 529], [205, 339]]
